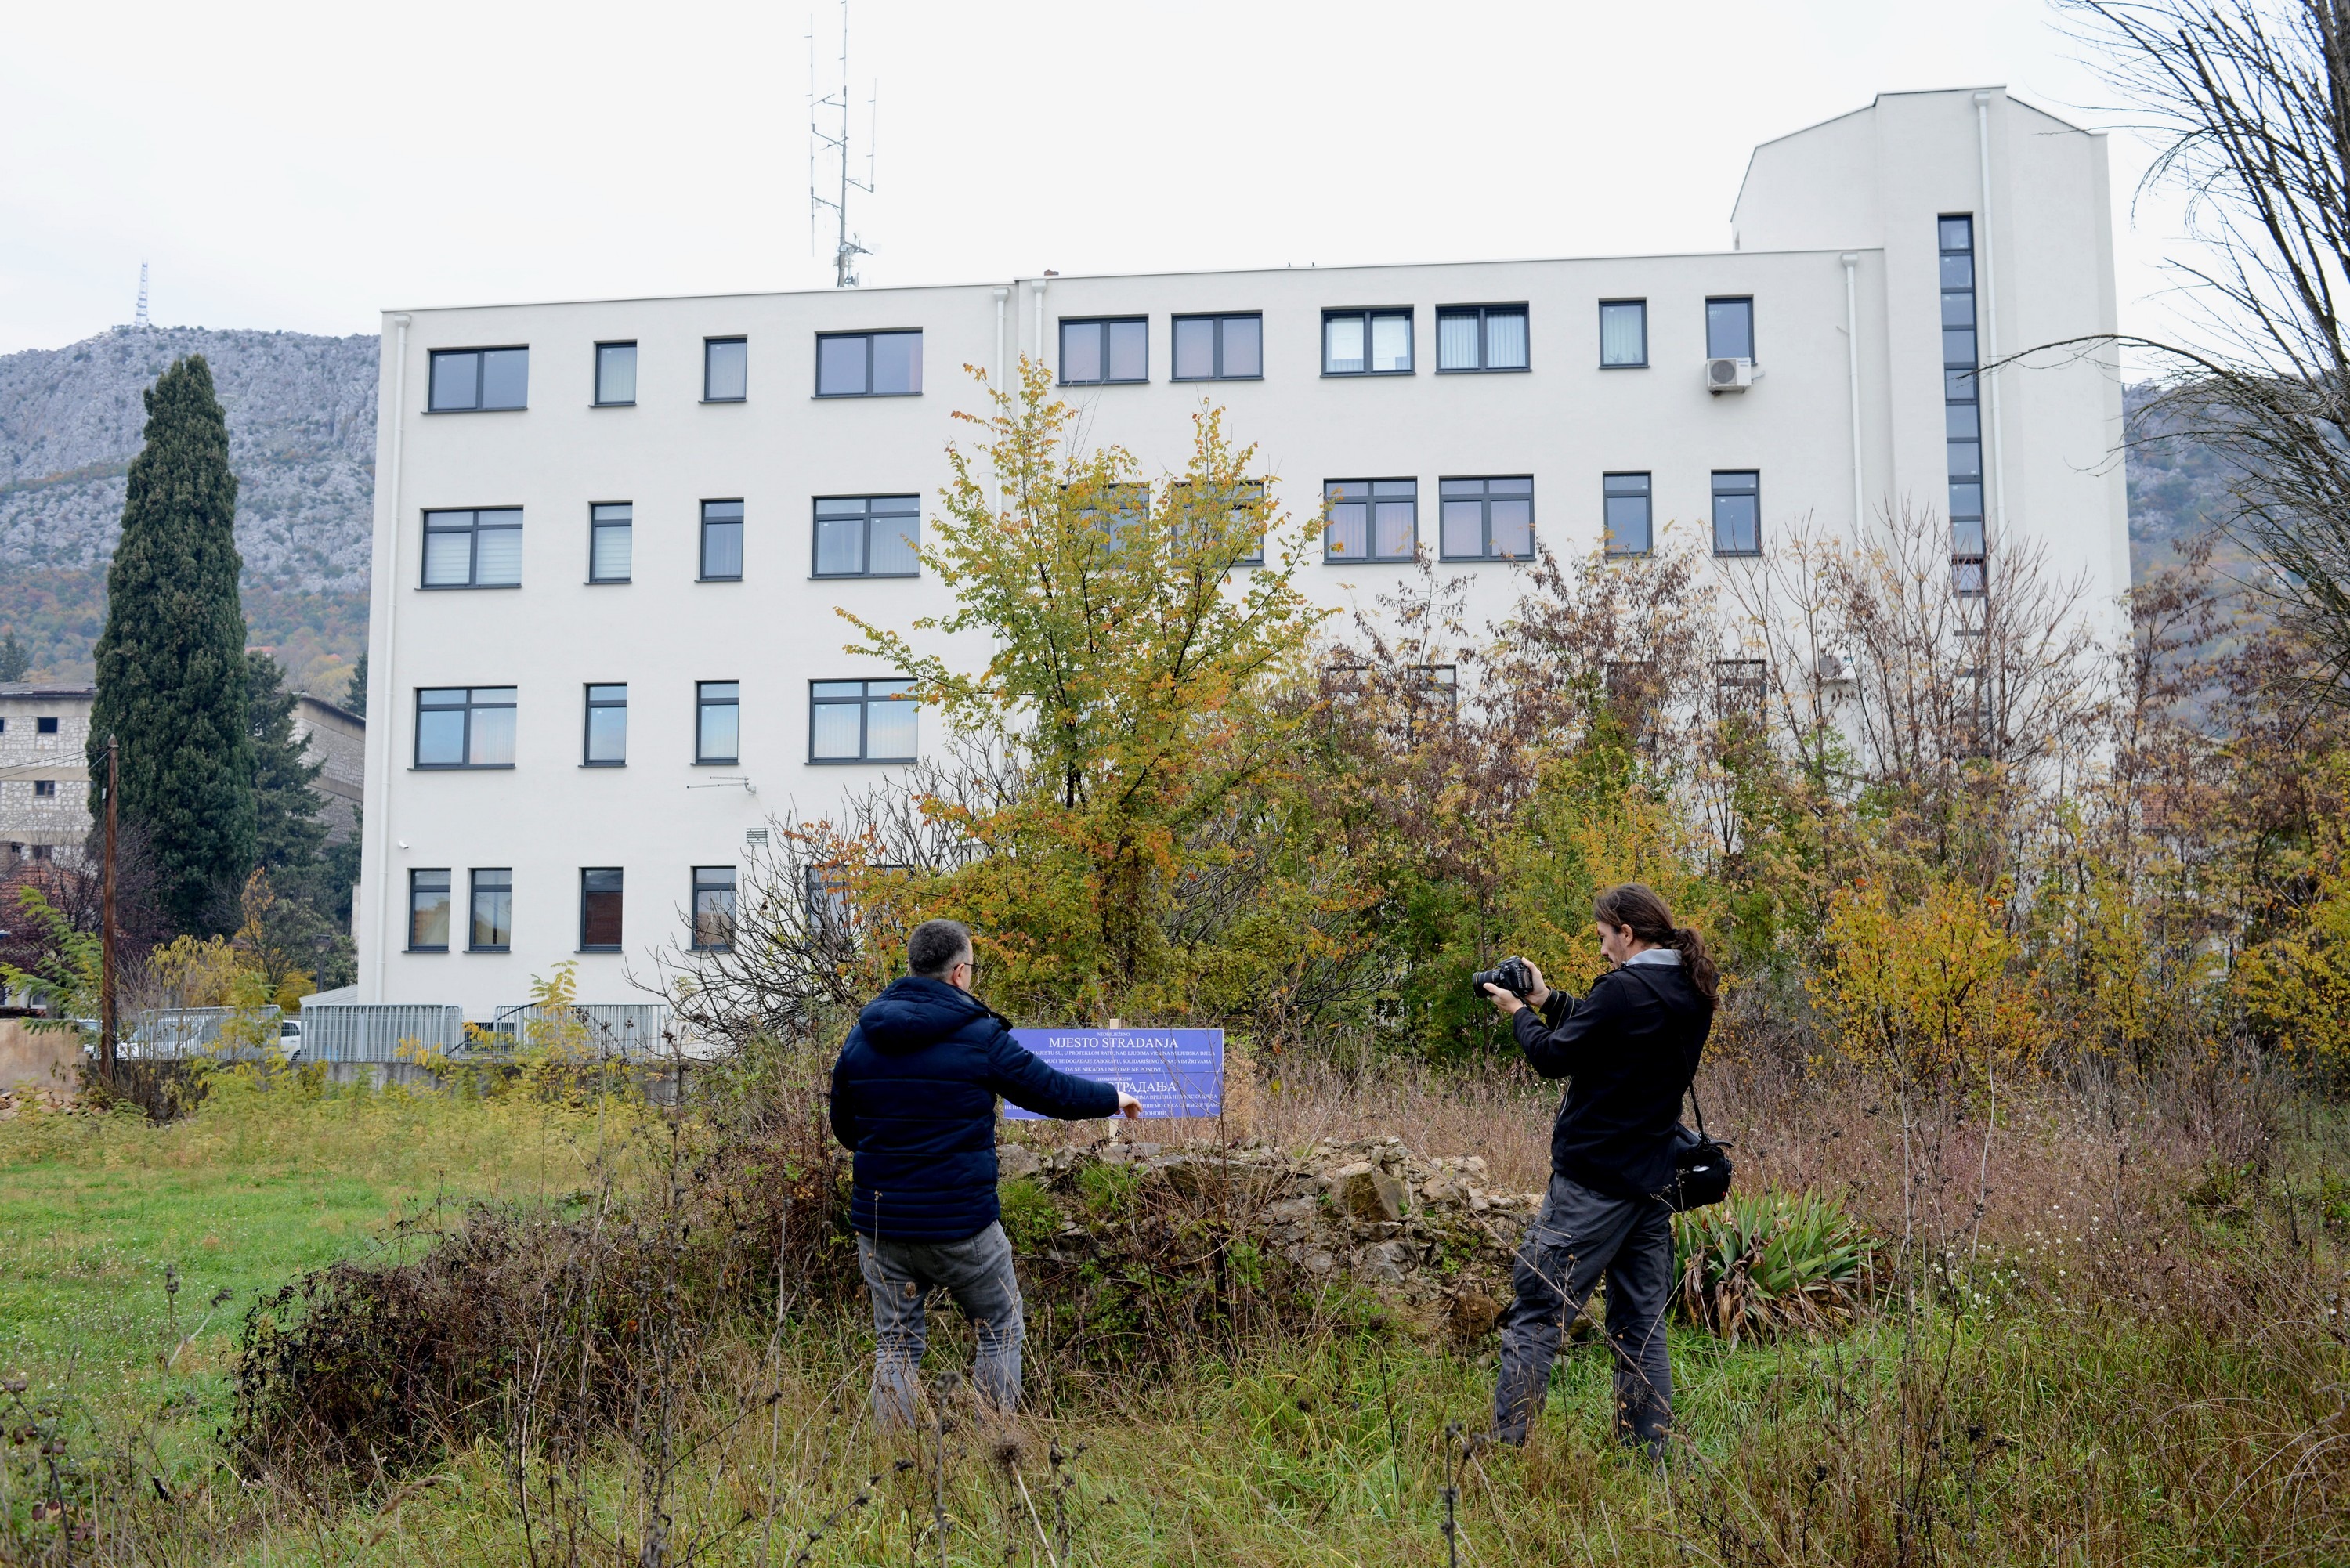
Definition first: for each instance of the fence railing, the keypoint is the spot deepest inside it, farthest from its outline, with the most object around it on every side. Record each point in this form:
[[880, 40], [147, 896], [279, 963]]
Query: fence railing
[[615, 1028], [375, 1031], [169, 1033]]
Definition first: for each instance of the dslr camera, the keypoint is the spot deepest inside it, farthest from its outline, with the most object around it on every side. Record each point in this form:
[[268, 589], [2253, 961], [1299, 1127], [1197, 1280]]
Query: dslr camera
[[1513, 974]]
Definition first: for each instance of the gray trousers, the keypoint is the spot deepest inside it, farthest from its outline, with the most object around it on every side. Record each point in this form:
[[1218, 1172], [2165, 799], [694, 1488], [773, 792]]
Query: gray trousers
[[1579, 1236], [977, 1274]]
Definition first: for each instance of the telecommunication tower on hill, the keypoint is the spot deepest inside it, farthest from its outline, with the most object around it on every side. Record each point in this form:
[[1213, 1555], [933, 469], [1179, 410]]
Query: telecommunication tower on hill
[[139, 317], [845, 246]]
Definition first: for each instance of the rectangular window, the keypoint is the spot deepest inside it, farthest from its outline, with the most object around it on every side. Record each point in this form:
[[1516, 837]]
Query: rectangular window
[[465, 380], [1372, 520], [1963, 403], [1623, 334], [825, 895], [607, 745], [1740, 686], [611, 528], [493, 929], [1244, 507], [868, 364], [615, 374], [868, 535], [1117, 509], [46, 724], [1481, 337], [1366, 342], [725, 370], [717, 722], [1097, 352], [1730, 329], [428, 911], [1219, 348], [600, 910], [714, 907], [1629, 522], [861, 721], [474, 549], [1737, 513], [465, 727], [1486, 519], [45, 788], [722, 541]]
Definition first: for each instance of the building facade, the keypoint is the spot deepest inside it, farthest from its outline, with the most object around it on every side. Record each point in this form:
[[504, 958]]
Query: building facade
[[335, 738], [611, 537], [44, 774]]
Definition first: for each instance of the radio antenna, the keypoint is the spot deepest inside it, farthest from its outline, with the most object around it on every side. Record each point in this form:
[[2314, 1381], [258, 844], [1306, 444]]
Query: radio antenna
[[847, 246], [139, 317]]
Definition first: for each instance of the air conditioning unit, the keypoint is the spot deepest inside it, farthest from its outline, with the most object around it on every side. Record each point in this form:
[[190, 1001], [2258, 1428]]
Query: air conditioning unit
[[1837, 668], [1728, 375]]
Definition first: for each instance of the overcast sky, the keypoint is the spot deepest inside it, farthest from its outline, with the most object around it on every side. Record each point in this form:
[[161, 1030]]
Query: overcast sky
[[306, 166]]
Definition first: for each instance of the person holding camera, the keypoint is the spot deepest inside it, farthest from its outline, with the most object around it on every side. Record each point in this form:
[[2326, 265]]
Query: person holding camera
[[913, 1094], [1628, 1049]]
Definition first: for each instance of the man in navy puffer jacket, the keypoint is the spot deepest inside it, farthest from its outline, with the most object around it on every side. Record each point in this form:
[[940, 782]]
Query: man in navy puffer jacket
[[913, 1094]]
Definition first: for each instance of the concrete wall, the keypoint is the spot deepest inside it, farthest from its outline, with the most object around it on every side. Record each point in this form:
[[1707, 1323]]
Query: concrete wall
[[46, 1057]]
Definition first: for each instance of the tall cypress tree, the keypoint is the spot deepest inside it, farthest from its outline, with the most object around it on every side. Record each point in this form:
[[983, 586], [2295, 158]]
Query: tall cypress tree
[[171, 663]]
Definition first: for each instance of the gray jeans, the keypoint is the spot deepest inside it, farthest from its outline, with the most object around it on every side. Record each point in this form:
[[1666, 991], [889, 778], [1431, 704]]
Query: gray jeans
[[1579, 1236], [975, 1272]]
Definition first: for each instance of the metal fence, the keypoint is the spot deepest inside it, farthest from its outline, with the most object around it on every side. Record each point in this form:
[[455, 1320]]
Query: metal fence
[[617, 1028], [169, 1033], [375, 1031]]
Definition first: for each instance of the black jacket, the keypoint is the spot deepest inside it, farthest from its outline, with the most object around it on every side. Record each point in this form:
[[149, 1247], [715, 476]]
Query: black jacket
[[1629, 1048], [913, 1093]]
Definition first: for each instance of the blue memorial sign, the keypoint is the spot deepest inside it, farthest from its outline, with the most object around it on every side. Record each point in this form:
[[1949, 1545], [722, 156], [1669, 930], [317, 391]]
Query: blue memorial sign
[[1173, 1071]]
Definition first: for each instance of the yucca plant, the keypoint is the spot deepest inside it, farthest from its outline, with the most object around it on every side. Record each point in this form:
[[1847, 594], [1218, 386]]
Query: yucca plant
[[1758, 1264]]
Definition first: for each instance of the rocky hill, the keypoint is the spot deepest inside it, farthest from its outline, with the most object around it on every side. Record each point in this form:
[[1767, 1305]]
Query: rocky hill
[[301, 420]]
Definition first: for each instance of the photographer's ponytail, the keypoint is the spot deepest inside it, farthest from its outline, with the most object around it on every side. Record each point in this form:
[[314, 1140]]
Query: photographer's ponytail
[[1638, 906]]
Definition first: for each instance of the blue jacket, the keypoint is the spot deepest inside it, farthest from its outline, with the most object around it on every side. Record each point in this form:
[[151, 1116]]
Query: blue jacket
[[913, 1093]]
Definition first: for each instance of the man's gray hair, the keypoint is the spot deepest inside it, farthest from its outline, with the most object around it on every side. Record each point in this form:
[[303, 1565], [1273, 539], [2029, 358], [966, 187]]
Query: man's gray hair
[[935, 946]]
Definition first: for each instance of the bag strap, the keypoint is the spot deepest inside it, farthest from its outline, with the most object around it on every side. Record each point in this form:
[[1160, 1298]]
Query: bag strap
[[1695, 1102]]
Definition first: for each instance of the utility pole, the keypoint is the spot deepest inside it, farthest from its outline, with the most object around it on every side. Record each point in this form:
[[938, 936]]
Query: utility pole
[[106, 1020]]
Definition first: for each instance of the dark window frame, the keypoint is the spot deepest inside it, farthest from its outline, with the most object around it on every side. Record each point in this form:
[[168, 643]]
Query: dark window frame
[[695, 888], [863, 703], [1605, 362], [45, 789], [473, 532], [433, 379], [469, 708], [1368, 314], [1485, 499], [1254, 496], [1522, 309], [1647, 497], [475, 888], [1220, 317], [869, 335], [867, 518], [1371, 522], [591, 703], [701, 539], [619, 892], [45, 724], [597, 524], [1102, 324], [598, 400], [1752, 356], [728, 340], [703, 704], [446, 890], [1716, 493]]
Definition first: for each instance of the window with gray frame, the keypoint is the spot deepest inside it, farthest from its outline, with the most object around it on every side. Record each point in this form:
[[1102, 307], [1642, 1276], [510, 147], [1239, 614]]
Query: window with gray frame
[[725, 370], [1481, 337], [1730, 329], [1243, 509], [714, 907], [492, 926], [615, 374], [717, 720], [868, 364], [479, 549], [45, 789], [868, 535], [1962, 402], [1107, 349], [1366, 342], [611, 530], [599, 908], [722, 541], [1623, 334], [861, 721], [465, 727], [1741, 686], [1372, 520], [606, 742], [428, 910], [477, 380], [1624, 500], [1737, 512], [1117, 509], [1219, 348], [1485, 519]]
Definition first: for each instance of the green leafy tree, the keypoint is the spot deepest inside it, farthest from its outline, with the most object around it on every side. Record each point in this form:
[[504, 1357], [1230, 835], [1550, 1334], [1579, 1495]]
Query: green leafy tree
[[170, 663], [16, 659], [288, 836], [354, 694]]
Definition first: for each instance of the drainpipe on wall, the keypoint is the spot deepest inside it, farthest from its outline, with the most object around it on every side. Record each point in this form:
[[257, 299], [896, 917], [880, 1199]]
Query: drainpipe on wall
[[1001, 295], [1852, 375], [1038, 288], [1988, 327], [381, 677]]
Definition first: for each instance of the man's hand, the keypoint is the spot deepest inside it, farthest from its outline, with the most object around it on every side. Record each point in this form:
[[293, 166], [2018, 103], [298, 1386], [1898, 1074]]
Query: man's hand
[[1128, 1106], [1539, 996], [1504, 1000]]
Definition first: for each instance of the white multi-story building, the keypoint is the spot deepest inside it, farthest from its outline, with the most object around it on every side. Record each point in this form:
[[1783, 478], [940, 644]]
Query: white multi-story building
[[610, 536]]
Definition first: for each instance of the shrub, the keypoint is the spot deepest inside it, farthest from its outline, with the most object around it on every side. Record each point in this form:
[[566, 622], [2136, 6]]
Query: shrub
[[1755, 1265]]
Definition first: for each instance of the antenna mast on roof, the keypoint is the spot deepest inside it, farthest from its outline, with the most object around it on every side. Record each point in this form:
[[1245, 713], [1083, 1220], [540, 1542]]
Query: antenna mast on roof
[[845, 246], [139, 318]]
